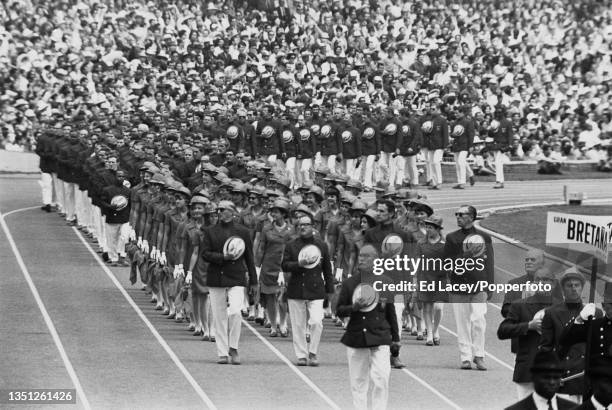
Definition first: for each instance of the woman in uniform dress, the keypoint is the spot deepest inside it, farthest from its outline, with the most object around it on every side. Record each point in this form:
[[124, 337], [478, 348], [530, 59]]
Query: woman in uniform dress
[[274, 237], [431, 248]]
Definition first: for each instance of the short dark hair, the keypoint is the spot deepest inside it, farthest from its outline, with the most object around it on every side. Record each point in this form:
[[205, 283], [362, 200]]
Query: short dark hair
[[472, 211], [389, 204]]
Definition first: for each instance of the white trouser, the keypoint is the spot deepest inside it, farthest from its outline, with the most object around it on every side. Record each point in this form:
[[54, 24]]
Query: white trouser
[[499, 166], [390, 162], [46, 187], [461, 166], [399, 312], [59, 190], [291, 170], [81, 206], [69, 201], [434, 161], [329, 161], [303, 170], [470, 311], [306, 314], [369, 177], [226, 304], [400, 164], [350, 168], [523, 390], [369, 365], [411, 172], [116, 238], [55, 199], [99, 227]]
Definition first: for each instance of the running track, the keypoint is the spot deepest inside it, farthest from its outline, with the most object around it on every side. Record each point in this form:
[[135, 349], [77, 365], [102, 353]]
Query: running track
[[66, 321]]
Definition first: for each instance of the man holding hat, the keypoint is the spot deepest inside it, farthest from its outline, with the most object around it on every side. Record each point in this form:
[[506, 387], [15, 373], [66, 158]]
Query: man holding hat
[[546, 372], [372, 328], [523, 323], [307, 259], [228, 248]]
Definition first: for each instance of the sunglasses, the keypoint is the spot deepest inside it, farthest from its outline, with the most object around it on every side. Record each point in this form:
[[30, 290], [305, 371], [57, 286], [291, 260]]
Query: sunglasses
[[461, 214], [530, 259]]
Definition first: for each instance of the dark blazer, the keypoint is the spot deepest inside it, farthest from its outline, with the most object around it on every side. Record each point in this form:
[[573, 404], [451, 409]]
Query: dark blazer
[[513, 295], [222, 273], [366, 329], [528, 404], [586, 405], [516, 326], [304, 283], [453, 248]]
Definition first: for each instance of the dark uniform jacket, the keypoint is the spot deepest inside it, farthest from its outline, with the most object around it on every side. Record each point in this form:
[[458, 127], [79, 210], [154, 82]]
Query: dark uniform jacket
[[438, 137], [454, 249], [411, 137], [114, 216], [503, 136], [307, 142], [351, 142], [272, 145], [222, 273], [528, 404], [464, 141], [601, 342], [370, 140], [366, 329], [555, 320], [307, 283]]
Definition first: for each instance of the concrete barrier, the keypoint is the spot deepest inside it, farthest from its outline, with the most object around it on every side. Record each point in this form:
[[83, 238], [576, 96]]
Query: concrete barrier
[[18, 162]]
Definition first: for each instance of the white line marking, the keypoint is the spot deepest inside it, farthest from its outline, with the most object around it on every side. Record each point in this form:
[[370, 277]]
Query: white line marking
[[514, 275], [494, 305], [495, 359], [432, 389], [19, 210], [43, 311], [293, 367], [142, 316]]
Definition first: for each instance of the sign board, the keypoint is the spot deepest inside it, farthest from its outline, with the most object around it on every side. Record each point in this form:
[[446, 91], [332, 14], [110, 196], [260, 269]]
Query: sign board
[[582, 233]]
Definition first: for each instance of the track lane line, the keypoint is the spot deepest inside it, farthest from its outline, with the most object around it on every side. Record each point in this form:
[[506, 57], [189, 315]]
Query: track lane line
[[43, 310], [293, 367], [432, 389], [158, 337]]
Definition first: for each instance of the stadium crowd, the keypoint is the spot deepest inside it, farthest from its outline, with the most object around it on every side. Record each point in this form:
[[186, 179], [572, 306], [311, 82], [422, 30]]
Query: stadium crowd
[[225, 151], [548, 63]]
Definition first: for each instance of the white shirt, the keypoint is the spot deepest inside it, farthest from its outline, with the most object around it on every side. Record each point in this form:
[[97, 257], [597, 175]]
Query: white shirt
[[542, 404], [598, 405]]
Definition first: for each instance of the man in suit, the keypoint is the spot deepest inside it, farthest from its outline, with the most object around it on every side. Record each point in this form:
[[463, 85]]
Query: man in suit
[[534, 260], [470, 308], [523, 324], [310, 281], [369, 333], [546, 372]]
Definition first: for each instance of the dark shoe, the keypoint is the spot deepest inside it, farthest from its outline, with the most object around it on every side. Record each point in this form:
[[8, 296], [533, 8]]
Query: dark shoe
[[435, 187], [458, 186], [479, 362], [466, 365], [420, 336], [472, 181], [46, 208], [499, 185], [205, 338], [212, 339], [396, 363], [123, 262], [436, 341], [234, 355], [302, 362], [284, 333], [105, 257], [223, 360], [71, 223], [313, 361], [259, 320], [429, 343], [166, 312], [307, 337], [273, 333], [198, 332]]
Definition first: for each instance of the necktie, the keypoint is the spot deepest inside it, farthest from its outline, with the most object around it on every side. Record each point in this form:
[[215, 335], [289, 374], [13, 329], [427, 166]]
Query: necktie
[[550, 407]]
